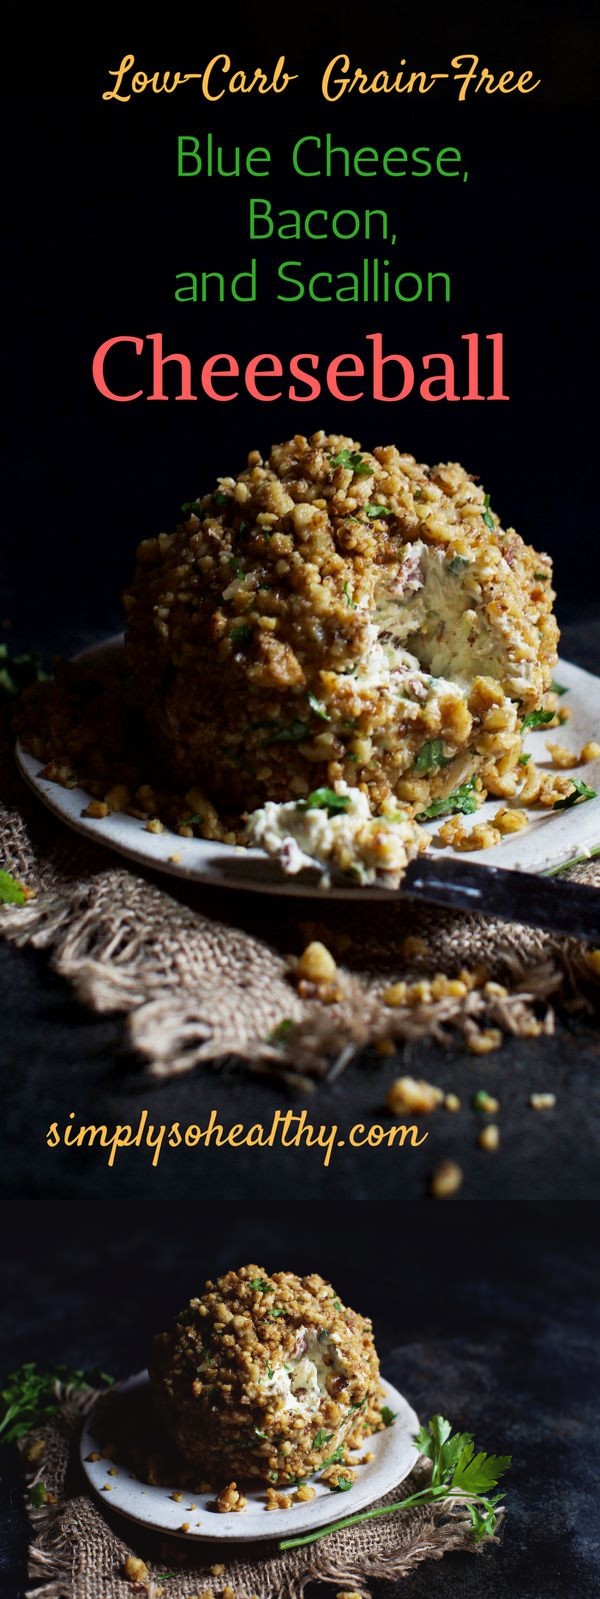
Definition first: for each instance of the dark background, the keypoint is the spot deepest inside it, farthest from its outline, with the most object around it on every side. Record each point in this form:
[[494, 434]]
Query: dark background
[[488, 1315], [98, 226]]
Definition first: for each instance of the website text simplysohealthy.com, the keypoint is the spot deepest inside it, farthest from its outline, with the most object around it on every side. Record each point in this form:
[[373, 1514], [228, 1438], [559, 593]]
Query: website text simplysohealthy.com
[[290, 1129]]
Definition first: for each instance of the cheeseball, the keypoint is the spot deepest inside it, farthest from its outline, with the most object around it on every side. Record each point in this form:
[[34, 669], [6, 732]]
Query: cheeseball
[[266, 1377], [333, 614]]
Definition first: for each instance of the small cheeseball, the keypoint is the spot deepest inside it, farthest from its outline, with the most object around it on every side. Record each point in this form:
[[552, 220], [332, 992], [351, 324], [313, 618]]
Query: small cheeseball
[[332, 614], [266, 1377]]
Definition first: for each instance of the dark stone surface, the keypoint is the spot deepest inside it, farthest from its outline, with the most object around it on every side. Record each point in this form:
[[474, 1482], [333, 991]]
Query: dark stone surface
[[59, 1058], [488, 1315]]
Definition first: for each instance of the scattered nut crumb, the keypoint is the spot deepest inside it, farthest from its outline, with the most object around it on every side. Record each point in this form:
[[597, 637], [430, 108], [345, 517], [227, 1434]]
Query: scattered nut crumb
[[396, 993], [489, 1137], [485, 1103], [542, 1101], [95, 809], [176, 1495], [317, 963], [560, 755], [154, 825], [509, 821], [277, 1501], [136, 1570], [484, 1040], [217, 1571], [230, 1498], [446, 1179], [406, 1094], [452, 1102], [589, 751], [303, 1493], [412, 947]]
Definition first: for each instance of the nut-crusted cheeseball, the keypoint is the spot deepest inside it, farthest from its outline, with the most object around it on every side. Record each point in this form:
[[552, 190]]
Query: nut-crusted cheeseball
[[333, 614], [266, 1376]]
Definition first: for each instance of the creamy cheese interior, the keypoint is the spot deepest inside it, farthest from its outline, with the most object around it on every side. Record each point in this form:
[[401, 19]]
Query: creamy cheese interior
[[353, 840], [301, 1384]]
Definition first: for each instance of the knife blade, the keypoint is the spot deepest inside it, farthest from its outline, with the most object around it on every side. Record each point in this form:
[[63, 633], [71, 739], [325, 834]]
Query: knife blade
[[558, 907]]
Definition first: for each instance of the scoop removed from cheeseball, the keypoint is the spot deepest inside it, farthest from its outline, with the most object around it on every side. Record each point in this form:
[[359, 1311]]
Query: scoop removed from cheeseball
[[266, 1376]]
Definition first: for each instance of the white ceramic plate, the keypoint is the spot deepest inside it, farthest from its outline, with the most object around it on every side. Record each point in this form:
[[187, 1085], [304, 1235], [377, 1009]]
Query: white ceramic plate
[[394, 1457], [553, 839]]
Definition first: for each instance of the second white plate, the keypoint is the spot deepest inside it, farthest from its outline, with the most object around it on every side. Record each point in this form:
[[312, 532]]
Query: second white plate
[[394, 1455]]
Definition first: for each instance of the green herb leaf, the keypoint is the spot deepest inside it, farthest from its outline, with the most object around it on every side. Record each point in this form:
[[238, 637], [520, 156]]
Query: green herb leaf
[[349, 598], [293, 734], [191, 505], [524, 760], [342, 1485], [325, 799], [273, 1314], [388, 1416], [375, 511], [337, 1306], [558, 688], [580, 792], [242, 635], [487, 516], [219, 499], [280, 1032], [260, 1434], [335, 1459], [261, 1285], [461, 799], [541, 577], [11, 892], [17, 671], [38, 1495], [457, 1473], [318, 708], [353, 462], [29, 1396], [458, 563], [537, 719], [431, 756], [322, 1438]]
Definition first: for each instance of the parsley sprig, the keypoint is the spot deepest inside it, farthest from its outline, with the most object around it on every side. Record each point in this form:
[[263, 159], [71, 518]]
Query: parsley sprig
[[578, 794], [30, 1397], [353, 462], [457, 1474], [325, 799], [537, 719], [461, 799]]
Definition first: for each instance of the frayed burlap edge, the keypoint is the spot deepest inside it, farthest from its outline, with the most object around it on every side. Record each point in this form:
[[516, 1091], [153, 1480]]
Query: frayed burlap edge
[[202, 975], [77, 1552]]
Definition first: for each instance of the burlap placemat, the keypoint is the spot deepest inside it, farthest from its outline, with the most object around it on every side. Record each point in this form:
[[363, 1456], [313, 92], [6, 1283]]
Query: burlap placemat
[[203, 974], [79, 1551]]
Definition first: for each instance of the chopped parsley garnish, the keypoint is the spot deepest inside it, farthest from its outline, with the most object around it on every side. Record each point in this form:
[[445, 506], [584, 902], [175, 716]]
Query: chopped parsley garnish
[[17, 671], [537, 719], [374, 511], [11, 892], [29, 1396], [38, 1495], [431, 756], [280, 1032], [487, 515], [524, 760], [348, 595], [322, 1438], [293, 734], [325, 799], [558, 688], [219, 499], [579, 793], [273, 1314], [461, 799], [260, 1434], [241, 635], [342, 1484], [261, 1285], [270, 1371], [481, 1100], [191, 505], [335, 1459], [388, 1416], [236, 566], [458, 563], [318, 708], [336, 1304], [542, 577], [457, 1474], [353, 462]]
